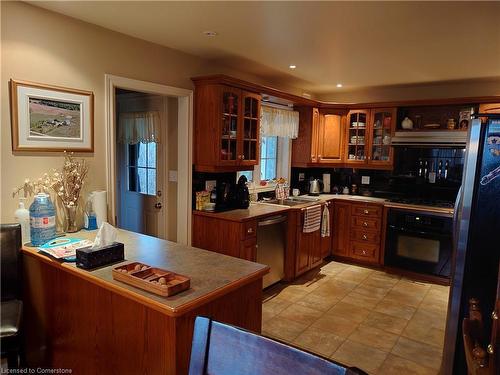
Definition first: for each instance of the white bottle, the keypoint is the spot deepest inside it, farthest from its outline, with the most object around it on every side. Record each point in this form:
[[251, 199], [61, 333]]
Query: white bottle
[[22, 216]]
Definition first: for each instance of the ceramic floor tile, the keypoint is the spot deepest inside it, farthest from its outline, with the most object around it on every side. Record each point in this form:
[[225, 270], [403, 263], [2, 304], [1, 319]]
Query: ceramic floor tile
[[411, 350], [275, 305], [374, 337], [351, 312], [291, 294], [283, 329], [319, 341], [300, 314], [335, 324], [362, 356], [318, 302], [361, 300], [371, 291], [377, 282], [404, 298], [385, 322], [394, 365], [354, 275], [395, 309], [412, 288], [423, 329], [334, 288]]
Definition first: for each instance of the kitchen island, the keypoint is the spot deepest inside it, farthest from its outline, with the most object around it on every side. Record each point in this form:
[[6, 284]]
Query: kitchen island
[[90, 323]]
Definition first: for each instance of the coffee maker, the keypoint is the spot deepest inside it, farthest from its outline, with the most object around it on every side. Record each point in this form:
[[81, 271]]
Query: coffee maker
[[242, 195], [225, 196]]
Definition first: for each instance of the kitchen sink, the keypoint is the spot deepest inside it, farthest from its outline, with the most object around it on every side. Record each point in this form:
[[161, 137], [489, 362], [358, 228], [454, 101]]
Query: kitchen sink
[[292, 201]]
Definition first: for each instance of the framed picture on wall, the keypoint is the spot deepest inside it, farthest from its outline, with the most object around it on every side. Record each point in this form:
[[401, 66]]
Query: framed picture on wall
[[51, 118]]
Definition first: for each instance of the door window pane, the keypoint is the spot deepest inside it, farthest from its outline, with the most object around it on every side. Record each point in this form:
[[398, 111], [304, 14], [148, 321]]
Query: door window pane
[[142, 168]]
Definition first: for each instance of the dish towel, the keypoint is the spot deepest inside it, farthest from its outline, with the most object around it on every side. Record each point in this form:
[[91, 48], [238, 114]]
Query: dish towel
[[325, 222], [312, 219]]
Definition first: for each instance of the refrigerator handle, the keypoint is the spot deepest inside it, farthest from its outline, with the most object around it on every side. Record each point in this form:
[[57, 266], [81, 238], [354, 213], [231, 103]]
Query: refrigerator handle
[[456, 208]]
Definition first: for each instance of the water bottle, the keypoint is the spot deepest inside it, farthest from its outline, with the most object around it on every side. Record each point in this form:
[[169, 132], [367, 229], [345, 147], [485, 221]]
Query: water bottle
[[42, 220]]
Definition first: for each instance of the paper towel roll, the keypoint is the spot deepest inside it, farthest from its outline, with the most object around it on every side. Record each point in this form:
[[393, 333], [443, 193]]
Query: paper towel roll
[[100, 206]]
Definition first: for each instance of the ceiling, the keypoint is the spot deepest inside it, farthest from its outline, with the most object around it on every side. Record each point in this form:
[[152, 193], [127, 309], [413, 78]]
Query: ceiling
[[358, 44]]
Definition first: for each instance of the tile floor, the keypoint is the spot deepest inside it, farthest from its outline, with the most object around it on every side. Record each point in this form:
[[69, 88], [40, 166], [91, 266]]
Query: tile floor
[[381, 323]]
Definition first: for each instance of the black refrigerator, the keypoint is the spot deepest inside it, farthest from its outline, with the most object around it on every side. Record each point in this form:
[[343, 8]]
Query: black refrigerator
[[476, 237]]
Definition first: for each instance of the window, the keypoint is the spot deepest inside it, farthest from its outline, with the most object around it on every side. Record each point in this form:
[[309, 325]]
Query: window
[[142, 168], [274, 161], [268, 158]]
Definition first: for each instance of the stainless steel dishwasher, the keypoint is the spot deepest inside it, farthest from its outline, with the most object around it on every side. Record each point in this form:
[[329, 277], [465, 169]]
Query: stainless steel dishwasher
[[271, 242]]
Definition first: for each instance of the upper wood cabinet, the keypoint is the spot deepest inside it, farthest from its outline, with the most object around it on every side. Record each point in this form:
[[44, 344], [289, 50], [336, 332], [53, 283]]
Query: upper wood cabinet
[[226, 129], [321, 137], [368, 138], [489, 108]]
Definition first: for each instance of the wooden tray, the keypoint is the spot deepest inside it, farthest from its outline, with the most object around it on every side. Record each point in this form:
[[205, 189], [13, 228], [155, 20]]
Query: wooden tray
[[154, 280]]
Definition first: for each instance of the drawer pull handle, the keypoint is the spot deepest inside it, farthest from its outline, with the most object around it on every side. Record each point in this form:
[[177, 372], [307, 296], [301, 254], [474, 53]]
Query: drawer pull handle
[[365, 237], [367, 212], [364, 252], [365, 224], [250, 230]]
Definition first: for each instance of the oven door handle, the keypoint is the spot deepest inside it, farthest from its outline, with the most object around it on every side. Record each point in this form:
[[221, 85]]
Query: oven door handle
[[423, 233]]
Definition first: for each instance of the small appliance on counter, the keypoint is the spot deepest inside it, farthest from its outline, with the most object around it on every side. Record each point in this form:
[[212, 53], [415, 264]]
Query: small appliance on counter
[[315, 186], [225, 193], [242, 195]]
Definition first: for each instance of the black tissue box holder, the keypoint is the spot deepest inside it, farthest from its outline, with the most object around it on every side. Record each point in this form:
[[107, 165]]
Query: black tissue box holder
[[93, 258]]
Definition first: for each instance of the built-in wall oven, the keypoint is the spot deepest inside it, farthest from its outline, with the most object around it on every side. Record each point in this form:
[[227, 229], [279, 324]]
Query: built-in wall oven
[[419, 241]]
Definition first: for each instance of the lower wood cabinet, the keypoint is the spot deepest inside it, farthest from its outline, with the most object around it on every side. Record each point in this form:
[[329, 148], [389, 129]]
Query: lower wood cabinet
[[357, 231]]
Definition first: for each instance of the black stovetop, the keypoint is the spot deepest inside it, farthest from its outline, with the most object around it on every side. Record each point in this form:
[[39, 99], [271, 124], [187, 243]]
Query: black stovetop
[[423, 202]]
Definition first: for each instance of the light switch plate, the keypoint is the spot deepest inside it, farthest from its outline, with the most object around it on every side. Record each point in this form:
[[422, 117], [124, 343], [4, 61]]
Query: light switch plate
[[301, 176], [365, 180], [172, 176], [210, 185]]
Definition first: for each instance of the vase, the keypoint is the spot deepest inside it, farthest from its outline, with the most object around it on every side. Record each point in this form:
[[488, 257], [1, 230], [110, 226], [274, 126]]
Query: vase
[[70, 219]]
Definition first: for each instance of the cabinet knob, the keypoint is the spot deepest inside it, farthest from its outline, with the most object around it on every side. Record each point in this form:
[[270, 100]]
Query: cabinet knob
[[319, 156], [365, 237], [364, 252], [250, 230], [239, 157], [242, 157], [366, 212], [365, 224]]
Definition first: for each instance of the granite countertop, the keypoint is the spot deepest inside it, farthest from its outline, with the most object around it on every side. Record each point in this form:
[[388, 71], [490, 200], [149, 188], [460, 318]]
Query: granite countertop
[[254, 211], [211, 274], [352, 198]]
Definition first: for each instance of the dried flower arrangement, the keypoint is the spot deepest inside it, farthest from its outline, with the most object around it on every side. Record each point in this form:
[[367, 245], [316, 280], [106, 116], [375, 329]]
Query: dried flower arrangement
[[67, 184]]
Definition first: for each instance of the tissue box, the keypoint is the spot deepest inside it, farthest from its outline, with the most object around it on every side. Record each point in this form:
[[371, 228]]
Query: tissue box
[[93, 258]]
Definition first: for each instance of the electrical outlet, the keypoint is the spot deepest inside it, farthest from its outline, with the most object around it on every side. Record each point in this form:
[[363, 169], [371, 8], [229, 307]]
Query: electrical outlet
[[210, 185], [365, 180], [302, 176], [172, 176]]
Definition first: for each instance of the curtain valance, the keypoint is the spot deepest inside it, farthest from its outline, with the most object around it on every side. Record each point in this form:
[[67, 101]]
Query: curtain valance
[[135, 127], [279, 122]]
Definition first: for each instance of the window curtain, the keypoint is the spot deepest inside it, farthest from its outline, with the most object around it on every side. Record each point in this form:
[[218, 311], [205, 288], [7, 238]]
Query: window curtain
[[276, 122], [135, 127]]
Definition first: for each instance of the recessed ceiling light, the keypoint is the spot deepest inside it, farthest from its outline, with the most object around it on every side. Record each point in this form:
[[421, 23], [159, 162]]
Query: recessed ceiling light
[[339, 85], [293, 66], [209, 33]]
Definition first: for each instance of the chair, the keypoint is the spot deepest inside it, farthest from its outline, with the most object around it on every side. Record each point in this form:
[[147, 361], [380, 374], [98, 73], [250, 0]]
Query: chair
[[221, 349], [11, 304]]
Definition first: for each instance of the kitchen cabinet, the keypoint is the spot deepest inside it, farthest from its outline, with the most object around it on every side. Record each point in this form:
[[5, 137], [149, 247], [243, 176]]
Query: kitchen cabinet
[[357, 231], [341, 228], [487, 108], [369, 138], [226, 128], [320, 139]]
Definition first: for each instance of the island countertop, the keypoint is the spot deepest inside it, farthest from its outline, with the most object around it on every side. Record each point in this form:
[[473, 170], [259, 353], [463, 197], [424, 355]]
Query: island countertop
[[212, 274]]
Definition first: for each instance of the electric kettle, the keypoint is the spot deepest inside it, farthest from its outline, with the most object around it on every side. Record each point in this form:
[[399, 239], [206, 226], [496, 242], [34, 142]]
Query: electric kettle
[[315, 186]]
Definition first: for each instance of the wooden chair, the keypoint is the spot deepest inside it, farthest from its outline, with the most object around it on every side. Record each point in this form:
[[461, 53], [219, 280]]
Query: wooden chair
[[221, 349], [481, 360]]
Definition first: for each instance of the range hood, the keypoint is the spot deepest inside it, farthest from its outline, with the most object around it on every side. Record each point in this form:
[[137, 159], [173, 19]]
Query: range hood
[[442, 138]]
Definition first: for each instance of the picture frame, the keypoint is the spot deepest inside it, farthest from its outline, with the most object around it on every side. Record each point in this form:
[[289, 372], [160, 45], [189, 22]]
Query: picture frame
[[47, 118]]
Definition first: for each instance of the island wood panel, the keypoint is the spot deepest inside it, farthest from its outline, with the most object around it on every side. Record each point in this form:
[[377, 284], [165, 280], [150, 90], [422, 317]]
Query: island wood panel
[[221, 236], [73, 323]]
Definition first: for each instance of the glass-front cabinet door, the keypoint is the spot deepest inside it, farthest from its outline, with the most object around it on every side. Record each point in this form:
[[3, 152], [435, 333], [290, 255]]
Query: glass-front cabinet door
[[230, 124], [249, 152], [382, 123], [357, 136]]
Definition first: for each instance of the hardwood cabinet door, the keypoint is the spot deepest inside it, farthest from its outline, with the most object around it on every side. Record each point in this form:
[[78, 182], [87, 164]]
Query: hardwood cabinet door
[[357, 137], [316, 249], [315, 135], [302, 252], [330, 139], [230, 126], [381, 127], [248, 249], [341, 228], [302, 146], [326, 242], [248, 137]]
